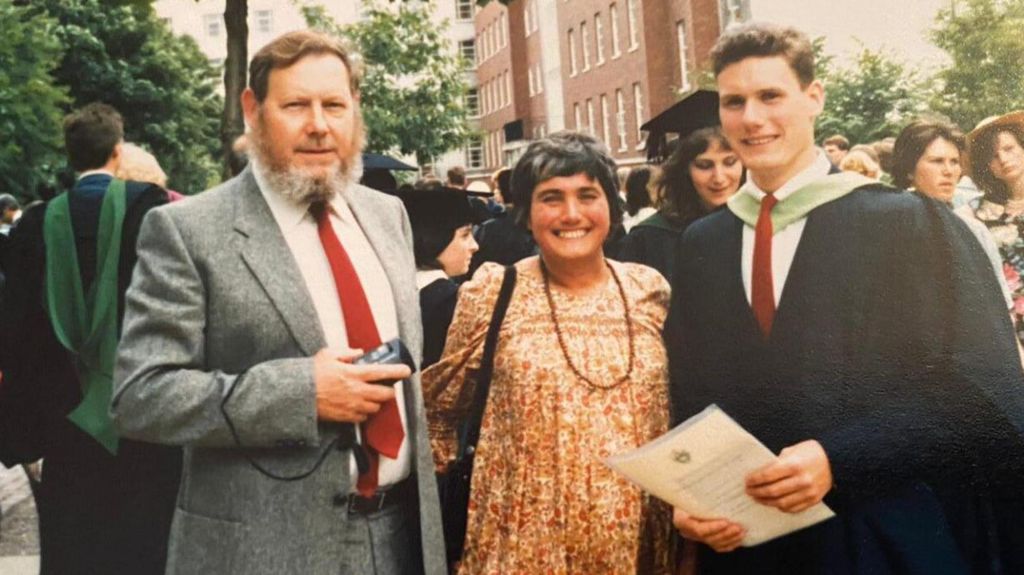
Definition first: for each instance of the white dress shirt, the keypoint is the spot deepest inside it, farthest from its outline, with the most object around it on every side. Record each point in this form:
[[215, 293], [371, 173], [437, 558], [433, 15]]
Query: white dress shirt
[[299, 229], [785, 242]]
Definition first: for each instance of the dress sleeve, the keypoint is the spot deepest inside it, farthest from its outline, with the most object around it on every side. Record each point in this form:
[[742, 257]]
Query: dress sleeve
[[448, 384]]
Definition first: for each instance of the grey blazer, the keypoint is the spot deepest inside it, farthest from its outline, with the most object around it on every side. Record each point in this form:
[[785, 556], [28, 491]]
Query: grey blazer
[[219, 331]]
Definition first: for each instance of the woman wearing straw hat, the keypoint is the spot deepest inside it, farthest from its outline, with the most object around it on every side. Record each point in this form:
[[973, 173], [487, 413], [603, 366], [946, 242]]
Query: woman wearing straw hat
[[997, 166]]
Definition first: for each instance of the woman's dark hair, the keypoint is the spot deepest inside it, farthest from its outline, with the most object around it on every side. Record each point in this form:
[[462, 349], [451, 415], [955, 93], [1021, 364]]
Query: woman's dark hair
[[677, 197], [563, 154], [637, 196], [913, 141], [436, 213], [983, 149]]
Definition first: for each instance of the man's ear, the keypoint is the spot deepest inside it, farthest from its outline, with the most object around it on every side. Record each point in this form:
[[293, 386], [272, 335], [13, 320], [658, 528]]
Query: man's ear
[[816, 92], [250, 107], [114, 161]]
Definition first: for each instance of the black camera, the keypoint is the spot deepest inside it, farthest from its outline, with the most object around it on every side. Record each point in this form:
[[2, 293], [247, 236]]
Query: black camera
[[389, 352]]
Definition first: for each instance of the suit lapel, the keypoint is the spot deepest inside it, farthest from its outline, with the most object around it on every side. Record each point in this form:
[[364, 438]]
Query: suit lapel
[[268, 257], [733, 259]]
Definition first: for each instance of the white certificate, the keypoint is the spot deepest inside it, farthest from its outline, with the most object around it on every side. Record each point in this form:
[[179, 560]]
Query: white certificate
[[701, 465]]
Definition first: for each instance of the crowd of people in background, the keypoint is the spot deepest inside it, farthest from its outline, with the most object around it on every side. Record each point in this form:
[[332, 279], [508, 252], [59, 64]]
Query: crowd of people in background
[[190, 370]]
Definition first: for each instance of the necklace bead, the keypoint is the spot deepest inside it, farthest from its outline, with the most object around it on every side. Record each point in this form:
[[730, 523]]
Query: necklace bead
[[561, 339]]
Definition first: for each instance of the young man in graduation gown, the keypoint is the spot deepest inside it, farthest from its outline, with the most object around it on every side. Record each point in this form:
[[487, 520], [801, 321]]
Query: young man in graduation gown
[[854, 330], [105, 504]]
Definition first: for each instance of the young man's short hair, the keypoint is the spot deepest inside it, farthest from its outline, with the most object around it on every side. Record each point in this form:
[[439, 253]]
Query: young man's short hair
[[838, 141], [758, 40], [90, 135]]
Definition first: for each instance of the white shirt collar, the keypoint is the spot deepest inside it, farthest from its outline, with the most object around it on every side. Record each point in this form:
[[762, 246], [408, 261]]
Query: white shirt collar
[[427, 277], [95, 172], [290, 214], [819, 167]]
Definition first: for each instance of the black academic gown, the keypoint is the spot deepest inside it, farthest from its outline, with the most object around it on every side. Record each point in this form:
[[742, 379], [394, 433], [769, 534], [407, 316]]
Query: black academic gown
[[653, 242], [98, 513], [891, 346], [437, 305]]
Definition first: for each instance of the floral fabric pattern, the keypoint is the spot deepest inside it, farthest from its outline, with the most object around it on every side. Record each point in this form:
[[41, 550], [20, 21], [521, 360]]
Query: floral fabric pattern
[[542, 500], [1008, 232]]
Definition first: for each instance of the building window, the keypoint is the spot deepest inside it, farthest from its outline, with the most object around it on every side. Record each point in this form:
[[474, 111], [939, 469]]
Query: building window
[[528, 16], [473, 101], [684, 74], [573, 69], [631, 25], [540, 80], [585, 40], [475, 153], [606, 121], [638, 112], [264, 21], [590, 118], [464, 9], [502, 31], [620, 119], [467, 49], [599, 38], [576, 116], [508, 88], [613, 15], [531, 84], [211, 23]]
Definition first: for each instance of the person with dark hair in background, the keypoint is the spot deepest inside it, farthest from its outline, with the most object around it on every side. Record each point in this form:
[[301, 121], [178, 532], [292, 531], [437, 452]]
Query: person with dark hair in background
[[501, 240], [442, 236], [854, 329], [639, 205], [996, 148], [927, 160], [456, 177], [250, 306], [700, 175], [836, 148], [579, 372], [105, 503]]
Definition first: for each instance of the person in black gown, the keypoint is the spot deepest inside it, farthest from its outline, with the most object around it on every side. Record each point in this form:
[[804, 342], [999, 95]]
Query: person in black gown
[[697, 178], [442, 229]]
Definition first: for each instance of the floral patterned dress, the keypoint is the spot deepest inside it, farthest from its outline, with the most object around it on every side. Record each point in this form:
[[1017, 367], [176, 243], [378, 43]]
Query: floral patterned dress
[[542, 500], [1008, 232]]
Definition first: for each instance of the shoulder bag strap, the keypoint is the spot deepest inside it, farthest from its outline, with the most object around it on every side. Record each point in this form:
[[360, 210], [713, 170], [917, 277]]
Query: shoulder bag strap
[[483, 382]]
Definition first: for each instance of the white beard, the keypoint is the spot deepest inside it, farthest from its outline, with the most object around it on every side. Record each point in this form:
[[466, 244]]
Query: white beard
[[296, 184], [299, 187]]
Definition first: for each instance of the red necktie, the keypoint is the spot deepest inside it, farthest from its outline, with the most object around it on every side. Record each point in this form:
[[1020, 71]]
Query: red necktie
[[382, 432], [762, 290]]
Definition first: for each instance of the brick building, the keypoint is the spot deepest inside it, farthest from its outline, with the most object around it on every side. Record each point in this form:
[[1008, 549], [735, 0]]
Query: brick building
[[600, 66]]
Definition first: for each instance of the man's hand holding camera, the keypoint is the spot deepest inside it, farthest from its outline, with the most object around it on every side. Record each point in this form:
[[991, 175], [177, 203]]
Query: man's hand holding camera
[[347, 392]]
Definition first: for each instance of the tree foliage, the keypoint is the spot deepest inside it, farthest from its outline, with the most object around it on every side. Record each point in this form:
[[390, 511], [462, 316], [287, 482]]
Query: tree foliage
[[162, 84], [30, 118], [985, 40], [871, 99], [414, 86]]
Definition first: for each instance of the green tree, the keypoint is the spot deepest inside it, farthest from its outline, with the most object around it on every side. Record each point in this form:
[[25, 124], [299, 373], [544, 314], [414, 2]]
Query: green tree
[[985, 40], [871, 99], [414, 86], [30, 132], [162, 84]]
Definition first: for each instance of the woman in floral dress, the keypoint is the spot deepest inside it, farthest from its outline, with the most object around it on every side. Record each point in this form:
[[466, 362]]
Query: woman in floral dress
[[997, 167], [580, 373]]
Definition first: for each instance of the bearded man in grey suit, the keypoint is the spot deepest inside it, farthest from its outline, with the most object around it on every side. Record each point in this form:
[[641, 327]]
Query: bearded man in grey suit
[[239, 334]]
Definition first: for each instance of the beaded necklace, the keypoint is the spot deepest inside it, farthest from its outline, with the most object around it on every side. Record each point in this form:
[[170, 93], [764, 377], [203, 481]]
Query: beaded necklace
[[561, 338]]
